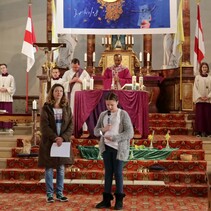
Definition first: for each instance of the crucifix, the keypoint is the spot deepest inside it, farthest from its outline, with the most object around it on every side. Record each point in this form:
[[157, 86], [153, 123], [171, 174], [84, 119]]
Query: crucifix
[[49, 47]]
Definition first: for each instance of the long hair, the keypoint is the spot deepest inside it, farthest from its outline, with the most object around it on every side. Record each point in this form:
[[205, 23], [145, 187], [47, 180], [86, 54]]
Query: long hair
[[50, 97], [200, 68]]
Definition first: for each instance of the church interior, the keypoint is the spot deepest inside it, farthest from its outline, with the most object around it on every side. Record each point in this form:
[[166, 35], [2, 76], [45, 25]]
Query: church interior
[[169, 167]]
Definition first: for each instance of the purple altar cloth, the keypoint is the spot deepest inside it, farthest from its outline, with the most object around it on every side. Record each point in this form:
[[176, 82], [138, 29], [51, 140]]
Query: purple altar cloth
[[90, 103]]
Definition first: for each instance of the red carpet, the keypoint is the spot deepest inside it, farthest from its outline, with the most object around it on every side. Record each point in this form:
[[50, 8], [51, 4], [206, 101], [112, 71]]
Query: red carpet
[[36, 202]]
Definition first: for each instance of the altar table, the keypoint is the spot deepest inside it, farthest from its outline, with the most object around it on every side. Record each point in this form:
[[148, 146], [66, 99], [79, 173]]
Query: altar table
[[90, 103]]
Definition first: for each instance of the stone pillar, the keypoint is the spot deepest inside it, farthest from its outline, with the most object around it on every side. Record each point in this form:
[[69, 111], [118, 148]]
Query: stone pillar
[[90, 50], [49, 22], [147, 39], [186, 24]]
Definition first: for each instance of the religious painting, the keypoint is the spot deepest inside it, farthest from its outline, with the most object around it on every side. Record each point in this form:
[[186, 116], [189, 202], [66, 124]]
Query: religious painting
[[116, 16]]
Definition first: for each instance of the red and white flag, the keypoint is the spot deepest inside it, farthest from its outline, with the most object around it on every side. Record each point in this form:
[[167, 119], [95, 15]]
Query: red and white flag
[[29, 39], [199, 49]]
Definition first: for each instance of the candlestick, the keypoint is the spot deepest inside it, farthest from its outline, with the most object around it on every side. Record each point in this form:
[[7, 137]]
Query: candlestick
[[34, 104], [140, 56], [103, 41], [91, 83], [148, 57], [85, 57], [93, 56]]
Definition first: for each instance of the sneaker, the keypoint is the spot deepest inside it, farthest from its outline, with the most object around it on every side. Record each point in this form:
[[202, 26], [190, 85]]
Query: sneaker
[[61, 198], [50, 199]]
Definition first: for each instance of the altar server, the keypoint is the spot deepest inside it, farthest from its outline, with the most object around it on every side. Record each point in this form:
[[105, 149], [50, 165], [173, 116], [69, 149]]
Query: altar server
[[202, 99], [7, 90]]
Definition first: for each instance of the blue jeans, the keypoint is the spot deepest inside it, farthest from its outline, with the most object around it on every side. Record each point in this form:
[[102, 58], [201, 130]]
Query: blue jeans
[[59, 181], [112, 167]]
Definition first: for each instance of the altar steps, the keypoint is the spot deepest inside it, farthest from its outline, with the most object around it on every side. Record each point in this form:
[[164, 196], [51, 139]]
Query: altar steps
[[176, 123], [129, 176], [177, 177]]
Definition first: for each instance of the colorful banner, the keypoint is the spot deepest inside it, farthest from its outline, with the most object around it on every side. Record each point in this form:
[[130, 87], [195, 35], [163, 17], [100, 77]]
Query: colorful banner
[[116, 16]]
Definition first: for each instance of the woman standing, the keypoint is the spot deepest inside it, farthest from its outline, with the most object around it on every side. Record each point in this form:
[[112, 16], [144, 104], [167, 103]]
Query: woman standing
[[115, 128], [56, 127], [202, 99]]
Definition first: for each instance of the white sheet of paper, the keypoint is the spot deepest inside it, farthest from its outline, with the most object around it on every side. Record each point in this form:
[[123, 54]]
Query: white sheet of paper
[[62, 151]]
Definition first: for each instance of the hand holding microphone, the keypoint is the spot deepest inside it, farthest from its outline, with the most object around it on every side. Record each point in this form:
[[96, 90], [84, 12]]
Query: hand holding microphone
[[109, 117]]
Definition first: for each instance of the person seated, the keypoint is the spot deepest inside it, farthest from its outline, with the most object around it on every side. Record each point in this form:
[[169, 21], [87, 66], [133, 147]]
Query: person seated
[[55, 76], [117, 75]]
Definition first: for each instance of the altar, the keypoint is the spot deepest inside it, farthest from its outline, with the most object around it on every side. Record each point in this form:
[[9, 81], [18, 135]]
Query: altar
[[90, 103]]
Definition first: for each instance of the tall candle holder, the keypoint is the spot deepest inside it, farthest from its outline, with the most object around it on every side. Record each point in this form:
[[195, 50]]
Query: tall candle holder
[[140, 69], [148, 68], [34, 129], [85, 65], [106, 42], [129, 42], [93, 69]]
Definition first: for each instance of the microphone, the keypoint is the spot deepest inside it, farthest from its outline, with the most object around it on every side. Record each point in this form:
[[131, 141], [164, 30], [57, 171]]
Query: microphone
[[109, 117]]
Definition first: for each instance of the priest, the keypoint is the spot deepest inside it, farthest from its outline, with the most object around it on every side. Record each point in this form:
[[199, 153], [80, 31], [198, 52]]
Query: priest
[[73, 81], [117, 75]]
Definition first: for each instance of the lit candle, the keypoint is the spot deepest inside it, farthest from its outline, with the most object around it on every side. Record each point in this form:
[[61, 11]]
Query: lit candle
[[140, 56], [93, 56], [103, 41], [129, 40], [109, 40], [84, 84], [126, 40], [132, 40], [34, 104], [148, 57], [85, 57], [91, 83], [106, 40]]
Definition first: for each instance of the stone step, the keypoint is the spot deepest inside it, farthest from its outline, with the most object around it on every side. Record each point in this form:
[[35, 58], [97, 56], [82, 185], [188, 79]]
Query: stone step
[[5, 152], [8, 143], [23, 129], [3, 163], [208, 155], [206, 143]]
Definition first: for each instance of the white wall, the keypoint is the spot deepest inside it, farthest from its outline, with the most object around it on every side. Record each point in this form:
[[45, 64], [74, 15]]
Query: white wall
[[13, 16]]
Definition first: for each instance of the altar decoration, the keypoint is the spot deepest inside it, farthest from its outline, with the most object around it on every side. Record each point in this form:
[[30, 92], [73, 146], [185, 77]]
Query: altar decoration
[[167, 137]]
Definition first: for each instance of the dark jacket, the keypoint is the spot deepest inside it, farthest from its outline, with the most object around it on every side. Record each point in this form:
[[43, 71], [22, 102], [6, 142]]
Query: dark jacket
[[49, 133]]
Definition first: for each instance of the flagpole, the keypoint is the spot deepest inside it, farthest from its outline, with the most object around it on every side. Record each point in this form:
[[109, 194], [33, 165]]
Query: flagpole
[[27, 92], [27, 80], [180, 80]]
